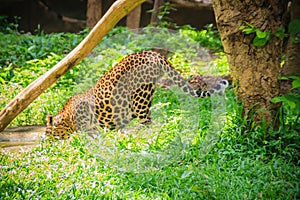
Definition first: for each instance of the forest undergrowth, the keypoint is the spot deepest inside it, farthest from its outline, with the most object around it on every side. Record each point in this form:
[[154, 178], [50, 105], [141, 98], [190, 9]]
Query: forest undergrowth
[[194, 149]]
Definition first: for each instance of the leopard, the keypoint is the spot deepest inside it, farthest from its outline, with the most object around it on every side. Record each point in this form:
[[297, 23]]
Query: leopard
[[123, 93]]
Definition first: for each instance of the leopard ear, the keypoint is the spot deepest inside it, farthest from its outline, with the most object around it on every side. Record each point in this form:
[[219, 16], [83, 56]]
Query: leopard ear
[[49, 120]]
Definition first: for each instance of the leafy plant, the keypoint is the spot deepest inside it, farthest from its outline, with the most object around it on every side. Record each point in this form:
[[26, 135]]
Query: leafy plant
[[209, 37], [291, 99], [8, 27], [261, 37], [240, 165], [164, 11], [18, 49]]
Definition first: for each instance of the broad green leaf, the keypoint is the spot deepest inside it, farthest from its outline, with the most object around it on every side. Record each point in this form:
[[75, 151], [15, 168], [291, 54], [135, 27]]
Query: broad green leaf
[[296, 84], [278, 99], [294, 77], [283, 78], [248, 30], [292, 100], [259, 41], [291, 104], [261, 34]]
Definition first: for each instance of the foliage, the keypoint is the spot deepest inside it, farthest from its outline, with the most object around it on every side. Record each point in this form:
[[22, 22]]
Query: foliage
[[291, 100], [233, 164], [209, 37], [27, 56], [17, 50], [164, 11], [241, 165], [8, 27], [238, 166], [262, 37], [220, 64]]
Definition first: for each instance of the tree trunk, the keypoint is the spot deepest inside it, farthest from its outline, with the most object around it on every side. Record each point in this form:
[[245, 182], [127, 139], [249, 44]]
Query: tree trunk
[[292, 63], [116, 12], [134, 17], [254, 69], [93, 13], [156, 10]]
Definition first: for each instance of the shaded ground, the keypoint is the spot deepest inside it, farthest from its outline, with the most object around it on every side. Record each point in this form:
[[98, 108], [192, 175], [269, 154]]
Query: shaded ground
[[17, 137]]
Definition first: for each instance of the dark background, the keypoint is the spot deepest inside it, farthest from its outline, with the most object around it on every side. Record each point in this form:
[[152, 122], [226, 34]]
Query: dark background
[[70, 15]]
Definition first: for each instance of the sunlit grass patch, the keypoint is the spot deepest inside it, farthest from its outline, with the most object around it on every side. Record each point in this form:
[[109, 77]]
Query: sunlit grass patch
[[73, 169], [193, 149]]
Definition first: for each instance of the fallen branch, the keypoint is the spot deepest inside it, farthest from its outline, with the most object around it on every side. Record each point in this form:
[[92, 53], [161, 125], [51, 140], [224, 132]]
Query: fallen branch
[[116, 12]]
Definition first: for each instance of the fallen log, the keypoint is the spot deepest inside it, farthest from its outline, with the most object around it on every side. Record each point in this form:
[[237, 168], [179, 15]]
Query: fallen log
[[116, 12]]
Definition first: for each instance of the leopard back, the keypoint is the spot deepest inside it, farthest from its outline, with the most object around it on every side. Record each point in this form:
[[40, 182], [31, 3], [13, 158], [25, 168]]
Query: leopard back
[[123, 93]]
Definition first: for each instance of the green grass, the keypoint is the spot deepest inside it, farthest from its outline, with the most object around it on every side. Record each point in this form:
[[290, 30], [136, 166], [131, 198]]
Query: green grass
[[194, 149], [26, 57], [80, 169]]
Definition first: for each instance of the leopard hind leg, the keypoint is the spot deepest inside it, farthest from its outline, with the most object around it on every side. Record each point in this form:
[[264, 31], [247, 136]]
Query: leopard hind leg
[[121, 105], [141, 102]]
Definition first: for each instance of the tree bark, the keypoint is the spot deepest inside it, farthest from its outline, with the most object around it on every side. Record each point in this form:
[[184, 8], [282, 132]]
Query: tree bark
[[254, 69], [93, 13], [134, 18], [292, 63], [116, 12], [156, 10]]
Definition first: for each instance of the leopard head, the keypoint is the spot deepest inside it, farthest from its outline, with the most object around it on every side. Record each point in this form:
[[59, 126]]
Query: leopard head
[[59, 127]]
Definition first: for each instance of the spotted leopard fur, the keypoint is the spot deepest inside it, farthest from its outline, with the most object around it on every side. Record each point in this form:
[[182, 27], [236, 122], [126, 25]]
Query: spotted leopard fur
[[123, 93]]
